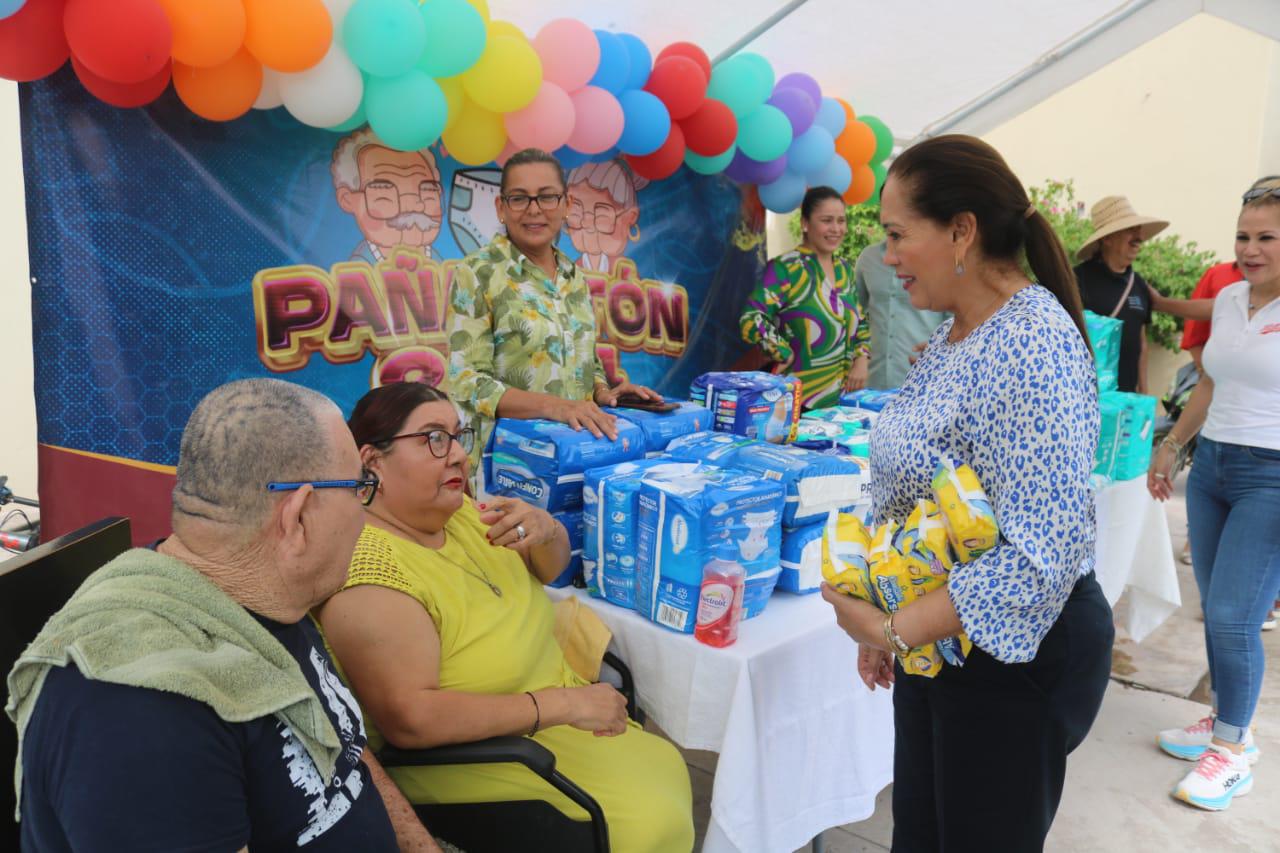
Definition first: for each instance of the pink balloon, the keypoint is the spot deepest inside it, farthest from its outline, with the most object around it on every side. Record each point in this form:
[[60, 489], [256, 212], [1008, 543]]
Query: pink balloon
[[569, 52], [546, 123], [509, 149], [599, 120]]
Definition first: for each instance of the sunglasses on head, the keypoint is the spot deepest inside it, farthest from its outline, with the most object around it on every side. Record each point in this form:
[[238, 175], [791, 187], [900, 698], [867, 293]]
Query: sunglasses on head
[[1260, 192]]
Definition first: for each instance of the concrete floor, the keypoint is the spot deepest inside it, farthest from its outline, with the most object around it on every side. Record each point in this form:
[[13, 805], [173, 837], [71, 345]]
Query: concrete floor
[[1116, 796]]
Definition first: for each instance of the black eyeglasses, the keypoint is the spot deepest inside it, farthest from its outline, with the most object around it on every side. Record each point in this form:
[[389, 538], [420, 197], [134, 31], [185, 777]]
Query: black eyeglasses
[[1260, 192], [520, 202], [439, 440], [365, 487]]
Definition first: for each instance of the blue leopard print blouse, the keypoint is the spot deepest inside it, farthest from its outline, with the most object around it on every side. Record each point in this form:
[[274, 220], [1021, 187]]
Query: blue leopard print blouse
[[1017, 400]]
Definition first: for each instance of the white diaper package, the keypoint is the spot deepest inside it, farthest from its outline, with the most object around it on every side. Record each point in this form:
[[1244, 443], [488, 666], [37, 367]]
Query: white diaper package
[[802, 558], [542, 462], [661, 427], [750, 403], [609, 526], [816, 483], [687, 520], [572, 522]]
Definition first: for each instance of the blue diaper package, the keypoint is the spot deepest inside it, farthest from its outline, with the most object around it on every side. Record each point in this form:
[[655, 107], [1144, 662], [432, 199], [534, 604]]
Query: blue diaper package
[[609, 526], [815, 482], [542, 462], [750, 403], [661, 427], [685, 521], [713, 448], [572, 522], [802, 558], [869, 399]]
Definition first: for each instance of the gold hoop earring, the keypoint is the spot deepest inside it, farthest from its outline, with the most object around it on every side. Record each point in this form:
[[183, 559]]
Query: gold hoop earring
[[634, 233]]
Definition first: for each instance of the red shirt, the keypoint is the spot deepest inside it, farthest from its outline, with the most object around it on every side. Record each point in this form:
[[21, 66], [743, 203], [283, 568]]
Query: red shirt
[[1195, 333]]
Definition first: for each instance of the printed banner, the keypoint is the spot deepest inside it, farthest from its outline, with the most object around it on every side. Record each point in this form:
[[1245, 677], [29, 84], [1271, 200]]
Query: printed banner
[[170, 255]]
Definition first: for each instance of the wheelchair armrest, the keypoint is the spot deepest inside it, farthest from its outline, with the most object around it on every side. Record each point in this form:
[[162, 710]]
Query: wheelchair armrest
[[495, 750], [628, 688]]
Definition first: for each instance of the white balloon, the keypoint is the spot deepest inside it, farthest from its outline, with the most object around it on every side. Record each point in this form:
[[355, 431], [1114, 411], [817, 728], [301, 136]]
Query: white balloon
[[337, 12], [327, 93], [269, 96]]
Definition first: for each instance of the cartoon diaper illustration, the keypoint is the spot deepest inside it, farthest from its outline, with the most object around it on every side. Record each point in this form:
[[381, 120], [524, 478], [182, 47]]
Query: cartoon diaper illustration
[[758, 524]]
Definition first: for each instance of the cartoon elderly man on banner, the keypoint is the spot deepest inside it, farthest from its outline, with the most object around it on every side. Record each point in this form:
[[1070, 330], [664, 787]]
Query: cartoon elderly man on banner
[[395, 196]]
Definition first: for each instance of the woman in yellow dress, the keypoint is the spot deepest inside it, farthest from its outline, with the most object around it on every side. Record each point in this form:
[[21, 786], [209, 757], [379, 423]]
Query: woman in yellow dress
[[445, 635]]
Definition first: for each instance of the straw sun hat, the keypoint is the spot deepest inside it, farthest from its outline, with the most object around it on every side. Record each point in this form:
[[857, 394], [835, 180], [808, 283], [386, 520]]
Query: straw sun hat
[[1112, 214]]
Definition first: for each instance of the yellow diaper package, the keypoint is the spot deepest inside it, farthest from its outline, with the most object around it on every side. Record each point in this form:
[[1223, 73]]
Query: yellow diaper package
[[845, 546], [923, 542], [966, 511]]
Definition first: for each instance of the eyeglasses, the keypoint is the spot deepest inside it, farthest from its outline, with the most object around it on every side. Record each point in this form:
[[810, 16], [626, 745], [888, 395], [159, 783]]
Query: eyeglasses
[[365, 487], [520, 203], [385, 200], [439, 440], [1260, 192], [603, 220]]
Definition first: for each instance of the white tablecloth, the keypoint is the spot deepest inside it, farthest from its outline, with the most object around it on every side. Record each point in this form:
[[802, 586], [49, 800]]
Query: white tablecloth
[[803, 745], [1135, 553]]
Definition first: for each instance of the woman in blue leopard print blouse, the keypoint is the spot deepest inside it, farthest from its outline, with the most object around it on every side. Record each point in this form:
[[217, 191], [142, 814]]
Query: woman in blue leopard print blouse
[[1007, 387]]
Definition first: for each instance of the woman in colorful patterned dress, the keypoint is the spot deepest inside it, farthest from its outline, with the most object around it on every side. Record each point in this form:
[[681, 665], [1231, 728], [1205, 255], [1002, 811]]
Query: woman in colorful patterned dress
[[522, 332], [805, 313]]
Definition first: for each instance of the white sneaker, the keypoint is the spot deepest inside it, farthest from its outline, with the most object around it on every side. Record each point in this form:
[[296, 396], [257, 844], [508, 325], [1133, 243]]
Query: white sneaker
[[1220, 775], [1190, 743], [1270, 624]]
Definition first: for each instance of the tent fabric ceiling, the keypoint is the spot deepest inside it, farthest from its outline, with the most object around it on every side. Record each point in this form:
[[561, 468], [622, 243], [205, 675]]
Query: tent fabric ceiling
[[929, 66]]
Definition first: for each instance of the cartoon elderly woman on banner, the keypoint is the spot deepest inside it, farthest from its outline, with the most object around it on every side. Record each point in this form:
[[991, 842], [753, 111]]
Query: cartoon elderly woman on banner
[[604, 213]]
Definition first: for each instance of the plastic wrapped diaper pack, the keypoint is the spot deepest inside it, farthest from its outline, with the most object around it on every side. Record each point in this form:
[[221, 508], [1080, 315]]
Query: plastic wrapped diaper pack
[[853, 439], [869, 399], [610, 523], [1105, 334], [713, 448], [660, 427], [687, 520], [850, 416], [966, 511], [572, 522], [846, 548], [1124, 441], [542, 462], [801, 558], [750, 403], [815, 482]]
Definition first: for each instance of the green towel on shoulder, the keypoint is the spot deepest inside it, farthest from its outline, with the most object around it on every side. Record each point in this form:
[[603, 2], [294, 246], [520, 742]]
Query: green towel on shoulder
[[148, 620]]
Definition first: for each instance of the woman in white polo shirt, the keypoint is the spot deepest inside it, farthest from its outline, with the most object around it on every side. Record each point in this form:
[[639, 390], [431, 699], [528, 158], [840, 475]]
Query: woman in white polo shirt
[[1233, 503]]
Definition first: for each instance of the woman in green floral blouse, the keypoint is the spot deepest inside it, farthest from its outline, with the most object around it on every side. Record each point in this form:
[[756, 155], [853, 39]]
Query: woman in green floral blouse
[[522, 335]]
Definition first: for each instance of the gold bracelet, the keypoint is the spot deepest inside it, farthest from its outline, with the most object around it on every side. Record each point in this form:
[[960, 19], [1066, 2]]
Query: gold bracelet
[[1178, 446], [895, 643]]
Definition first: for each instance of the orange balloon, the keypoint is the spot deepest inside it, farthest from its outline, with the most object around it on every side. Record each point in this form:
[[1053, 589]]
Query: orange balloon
[[205, 32], [220, 93], [862, 187], [287, 35], [857, 143], [849, 115]]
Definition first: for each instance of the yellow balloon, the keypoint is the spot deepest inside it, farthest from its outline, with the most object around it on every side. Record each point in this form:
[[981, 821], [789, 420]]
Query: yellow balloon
[[476, 137], [454, 97], [505, 28], [481, 6], [507, 77]]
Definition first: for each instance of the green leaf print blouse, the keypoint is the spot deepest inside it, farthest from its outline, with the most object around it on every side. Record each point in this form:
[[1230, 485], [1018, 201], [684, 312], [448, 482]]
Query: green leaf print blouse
[[511, 326]]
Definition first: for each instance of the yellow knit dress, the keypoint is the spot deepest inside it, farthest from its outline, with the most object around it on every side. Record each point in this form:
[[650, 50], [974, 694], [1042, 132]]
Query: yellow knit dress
[[506, 645]]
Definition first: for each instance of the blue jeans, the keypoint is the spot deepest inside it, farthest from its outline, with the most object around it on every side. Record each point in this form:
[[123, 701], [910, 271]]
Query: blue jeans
[[1233, 508]]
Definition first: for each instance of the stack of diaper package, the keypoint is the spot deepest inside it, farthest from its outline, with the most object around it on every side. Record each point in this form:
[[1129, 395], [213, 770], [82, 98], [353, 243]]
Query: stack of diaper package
[[543, 462], [660, 427], [1124, 441], [1104, 336], [750, 403], [844, 428], [868, 399], [897, 564], [573, 522]]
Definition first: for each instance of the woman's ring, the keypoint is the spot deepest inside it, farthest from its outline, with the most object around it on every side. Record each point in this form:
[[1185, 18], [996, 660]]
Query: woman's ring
[[521, 532]]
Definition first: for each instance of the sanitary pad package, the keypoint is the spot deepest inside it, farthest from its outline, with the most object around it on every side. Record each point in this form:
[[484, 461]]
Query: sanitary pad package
[[816, 482], [1104, 335], [610, 526], [687, 520], [660, 427], [572, 522], [542, 462], [751, 403], [868, 399], [1124, 443]]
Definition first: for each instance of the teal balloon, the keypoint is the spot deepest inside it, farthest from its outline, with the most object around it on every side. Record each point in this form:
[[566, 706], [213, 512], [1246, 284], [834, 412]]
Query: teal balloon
[[835, 174], [358, 119], [884, 137], [455, 37], [765, 133], [384, 37], [406, 112], [783, 195], [709, 165], [741, 83]]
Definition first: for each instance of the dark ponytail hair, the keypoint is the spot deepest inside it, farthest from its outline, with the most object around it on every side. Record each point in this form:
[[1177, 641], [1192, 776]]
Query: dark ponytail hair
[[953, 174], [815, 196]]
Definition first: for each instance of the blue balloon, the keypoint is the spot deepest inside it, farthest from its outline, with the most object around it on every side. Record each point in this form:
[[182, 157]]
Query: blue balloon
[[783, 195], [614, 70], [647, 122], [571, 159], [641, 61], [830, 116], [835, 174], [810, 151], [10, 7]]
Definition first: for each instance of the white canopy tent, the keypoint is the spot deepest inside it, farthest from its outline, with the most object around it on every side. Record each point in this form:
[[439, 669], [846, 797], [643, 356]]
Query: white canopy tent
[[924, 67]]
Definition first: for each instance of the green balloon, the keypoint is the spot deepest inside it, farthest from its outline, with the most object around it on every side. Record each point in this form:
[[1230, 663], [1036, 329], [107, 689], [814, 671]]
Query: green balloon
[[709, 165], [455, 37], [407, 112], [741, 83], [880, 170], [884, 137], [765, 133]]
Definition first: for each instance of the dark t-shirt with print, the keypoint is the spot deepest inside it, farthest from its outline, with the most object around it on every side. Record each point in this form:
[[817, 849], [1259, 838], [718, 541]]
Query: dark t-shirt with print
[[1100, 290], [110, 768]]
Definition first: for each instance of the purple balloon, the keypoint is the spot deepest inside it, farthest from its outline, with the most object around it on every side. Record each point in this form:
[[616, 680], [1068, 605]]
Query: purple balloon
[[744, 170], [797, 107], [804, 83]]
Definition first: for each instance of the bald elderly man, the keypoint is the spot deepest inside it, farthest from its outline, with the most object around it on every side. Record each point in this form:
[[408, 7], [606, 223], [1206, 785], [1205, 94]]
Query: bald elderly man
[[183, 700]]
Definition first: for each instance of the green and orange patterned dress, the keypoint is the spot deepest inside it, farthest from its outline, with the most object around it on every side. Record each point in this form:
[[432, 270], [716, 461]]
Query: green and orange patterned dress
[[797, 314]]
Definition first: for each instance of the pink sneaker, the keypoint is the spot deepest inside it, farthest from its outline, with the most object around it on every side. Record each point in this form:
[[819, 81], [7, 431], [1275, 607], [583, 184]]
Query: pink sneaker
[[1190, 743]]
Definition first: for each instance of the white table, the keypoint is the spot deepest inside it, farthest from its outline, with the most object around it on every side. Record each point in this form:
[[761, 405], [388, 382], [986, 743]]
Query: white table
[[1134, 552], [803, 745]]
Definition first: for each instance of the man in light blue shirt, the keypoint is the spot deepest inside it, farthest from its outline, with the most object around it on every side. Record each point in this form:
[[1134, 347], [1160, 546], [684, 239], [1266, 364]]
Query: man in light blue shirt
[[896, 326]]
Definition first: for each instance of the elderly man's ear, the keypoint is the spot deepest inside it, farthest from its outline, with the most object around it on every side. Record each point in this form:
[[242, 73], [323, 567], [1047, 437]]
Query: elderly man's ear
[[290, 528]]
